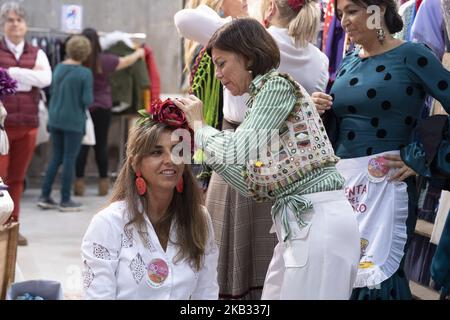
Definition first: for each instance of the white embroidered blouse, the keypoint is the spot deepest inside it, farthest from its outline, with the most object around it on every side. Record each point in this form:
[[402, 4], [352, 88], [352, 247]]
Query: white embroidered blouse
[[119, 265]]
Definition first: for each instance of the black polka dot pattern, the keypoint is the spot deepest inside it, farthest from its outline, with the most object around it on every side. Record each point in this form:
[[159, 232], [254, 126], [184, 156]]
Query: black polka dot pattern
[[447, 157], [354, 81], [422, 94], [372, 93], [393, 293], [369, 151], [342, 73], [409, 121], [442, 85], [381, 134], [409, 91], [422, 62], [374, 122], [388, 77], [351, 109], [380, 68], [386, 105], [351, 135]]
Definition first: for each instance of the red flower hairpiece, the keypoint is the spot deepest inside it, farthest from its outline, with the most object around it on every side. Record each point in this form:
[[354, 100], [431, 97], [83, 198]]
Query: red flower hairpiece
[[296, 5], [167, 112]]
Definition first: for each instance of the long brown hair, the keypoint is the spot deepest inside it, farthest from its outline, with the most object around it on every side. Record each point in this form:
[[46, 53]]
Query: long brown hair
[[185, 208], [93, 61]]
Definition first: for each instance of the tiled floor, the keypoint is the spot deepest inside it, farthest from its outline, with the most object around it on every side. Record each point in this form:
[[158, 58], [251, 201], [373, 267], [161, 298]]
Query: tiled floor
[[54, 240]]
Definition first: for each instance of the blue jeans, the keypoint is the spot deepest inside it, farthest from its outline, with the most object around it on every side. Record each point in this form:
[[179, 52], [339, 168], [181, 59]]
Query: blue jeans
[[66, 145]]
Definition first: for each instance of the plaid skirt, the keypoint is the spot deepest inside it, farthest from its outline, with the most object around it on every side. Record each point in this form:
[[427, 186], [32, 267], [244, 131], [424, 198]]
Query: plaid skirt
[[241, 228]]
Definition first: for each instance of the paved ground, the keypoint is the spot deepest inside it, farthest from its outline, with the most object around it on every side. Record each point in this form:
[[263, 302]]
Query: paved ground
[[54, 240]]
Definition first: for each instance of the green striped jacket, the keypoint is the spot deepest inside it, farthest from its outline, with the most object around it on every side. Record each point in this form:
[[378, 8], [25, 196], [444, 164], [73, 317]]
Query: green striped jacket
[[302, 163]]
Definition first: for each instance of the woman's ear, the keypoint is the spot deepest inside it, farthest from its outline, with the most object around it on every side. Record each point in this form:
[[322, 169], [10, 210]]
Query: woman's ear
[[133, 163], [271, 9], [249, 64]]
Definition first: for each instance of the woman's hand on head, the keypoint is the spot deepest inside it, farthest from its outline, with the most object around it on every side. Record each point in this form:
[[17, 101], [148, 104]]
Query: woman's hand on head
[[403, 171], [322, 101], [193, 109]]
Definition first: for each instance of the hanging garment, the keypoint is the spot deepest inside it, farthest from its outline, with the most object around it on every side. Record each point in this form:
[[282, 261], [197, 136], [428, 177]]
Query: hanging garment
[[329, 13], [406, 11], [441, 217], [153, 74], [334, 48], [127, 84], [428, 27]]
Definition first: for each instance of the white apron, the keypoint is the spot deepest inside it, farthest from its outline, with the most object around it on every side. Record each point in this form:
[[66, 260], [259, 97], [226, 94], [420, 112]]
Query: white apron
[[381, 209]]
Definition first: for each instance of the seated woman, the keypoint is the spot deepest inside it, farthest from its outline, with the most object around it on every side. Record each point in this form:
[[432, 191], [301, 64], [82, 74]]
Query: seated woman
[[154, 240], [318, 240]]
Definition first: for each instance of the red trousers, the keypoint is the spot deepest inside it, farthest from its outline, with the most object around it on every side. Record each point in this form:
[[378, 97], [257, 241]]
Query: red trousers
[[13, 166]]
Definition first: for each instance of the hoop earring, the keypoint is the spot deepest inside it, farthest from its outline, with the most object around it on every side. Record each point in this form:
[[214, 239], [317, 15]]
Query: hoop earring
[[180, 185], [381, 35], [141, 186]]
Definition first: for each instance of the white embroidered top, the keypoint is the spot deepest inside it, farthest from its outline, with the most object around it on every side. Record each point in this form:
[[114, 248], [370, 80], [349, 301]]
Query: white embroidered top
[[119, 265]]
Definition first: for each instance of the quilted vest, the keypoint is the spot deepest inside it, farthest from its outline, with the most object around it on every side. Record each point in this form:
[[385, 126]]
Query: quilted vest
[[22, 107], [303, 147]]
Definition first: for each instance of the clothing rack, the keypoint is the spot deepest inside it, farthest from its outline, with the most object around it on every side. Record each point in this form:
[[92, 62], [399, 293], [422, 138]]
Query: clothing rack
[[135, 35]]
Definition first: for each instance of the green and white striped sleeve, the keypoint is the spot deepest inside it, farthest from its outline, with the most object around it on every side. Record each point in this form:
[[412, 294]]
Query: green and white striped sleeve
[[228, 152]]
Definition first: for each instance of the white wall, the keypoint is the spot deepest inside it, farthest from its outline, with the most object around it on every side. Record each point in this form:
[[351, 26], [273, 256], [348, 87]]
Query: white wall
[[153, 17]]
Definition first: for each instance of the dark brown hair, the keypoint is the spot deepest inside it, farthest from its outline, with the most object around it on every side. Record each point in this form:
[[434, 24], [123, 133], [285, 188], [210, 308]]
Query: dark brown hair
[[392, 19], [93, 61], [186, 208], [247, 38]]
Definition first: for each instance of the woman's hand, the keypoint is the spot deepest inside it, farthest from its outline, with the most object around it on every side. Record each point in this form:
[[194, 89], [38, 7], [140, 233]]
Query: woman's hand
[[394, 161], [322, 101], [193, 109]]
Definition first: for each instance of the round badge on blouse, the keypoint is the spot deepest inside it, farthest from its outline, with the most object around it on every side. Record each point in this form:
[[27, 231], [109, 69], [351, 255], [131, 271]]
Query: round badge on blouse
[[377, 169], [157, 272]]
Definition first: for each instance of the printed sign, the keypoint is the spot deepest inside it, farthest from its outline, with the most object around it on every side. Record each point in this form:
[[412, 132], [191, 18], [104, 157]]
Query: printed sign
[[72, 18]]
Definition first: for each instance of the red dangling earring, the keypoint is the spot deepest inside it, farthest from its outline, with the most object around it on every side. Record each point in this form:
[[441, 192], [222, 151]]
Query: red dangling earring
[[266, 23], [180, 185], [141, 186]]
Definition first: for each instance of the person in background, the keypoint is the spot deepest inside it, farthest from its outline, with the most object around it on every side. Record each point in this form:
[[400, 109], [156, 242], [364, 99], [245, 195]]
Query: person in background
[[71, 94], [154, 240], [30, 67], [102, 65], [297, 171], [377, 99]]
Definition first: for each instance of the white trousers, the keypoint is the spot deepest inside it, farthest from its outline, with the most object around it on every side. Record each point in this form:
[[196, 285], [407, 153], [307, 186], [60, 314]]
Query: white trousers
[[320, 261]]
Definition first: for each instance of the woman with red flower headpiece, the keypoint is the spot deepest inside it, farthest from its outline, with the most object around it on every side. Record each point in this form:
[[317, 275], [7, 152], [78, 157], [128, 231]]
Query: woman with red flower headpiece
[[154, 240]]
